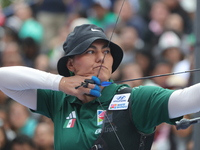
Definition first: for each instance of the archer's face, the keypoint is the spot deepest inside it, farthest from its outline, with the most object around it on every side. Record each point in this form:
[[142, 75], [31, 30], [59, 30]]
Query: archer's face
[[91, 62]]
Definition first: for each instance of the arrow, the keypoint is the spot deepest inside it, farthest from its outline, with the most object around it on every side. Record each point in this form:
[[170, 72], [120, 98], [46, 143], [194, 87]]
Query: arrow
[[106, 83]]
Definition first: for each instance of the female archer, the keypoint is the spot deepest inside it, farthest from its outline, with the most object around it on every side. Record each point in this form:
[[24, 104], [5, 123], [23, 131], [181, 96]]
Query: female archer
[[87, 115]]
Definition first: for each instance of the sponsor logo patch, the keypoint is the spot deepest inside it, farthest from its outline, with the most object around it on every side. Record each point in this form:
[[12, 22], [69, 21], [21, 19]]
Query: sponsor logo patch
[[119, 102]]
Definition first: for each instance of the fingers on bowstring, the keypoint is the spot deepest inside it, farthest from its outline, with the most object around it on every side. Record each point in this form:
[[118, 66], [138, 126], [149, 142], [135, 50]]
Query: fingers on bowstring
[[96, 80], [96, 93], [93, 85]]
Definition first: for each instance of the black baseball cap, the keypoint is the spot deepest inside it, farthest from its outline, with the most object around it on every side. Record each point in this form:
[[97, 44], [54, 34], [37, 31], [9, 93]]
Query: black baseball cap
[[78, 42]]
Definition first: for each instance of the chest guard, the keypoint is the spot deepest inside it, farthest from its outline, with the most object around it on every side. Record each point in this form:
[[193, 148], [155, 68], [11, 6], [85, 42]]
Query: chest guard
[[120, 133]]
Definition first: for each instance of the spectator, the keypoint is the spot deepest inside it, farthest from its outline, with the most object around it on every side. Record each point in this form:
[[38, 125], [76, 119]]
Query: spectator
[[42, 62], [158, 15], [170, 48], [101, 15], [132, 71], [175, 23], [30, 49], [129, 17], [11, 55], [175, 7], [161, 138], [44, 137], [190, 7], [180, 139], [52, 14], [5, 124], [22, 142], [2, 17], [161, 66], [44, 119], [145, 59], [56, 47], [8, 35], [4, 142], [21, 120], [129, 44], [3, 99], [30, 27]]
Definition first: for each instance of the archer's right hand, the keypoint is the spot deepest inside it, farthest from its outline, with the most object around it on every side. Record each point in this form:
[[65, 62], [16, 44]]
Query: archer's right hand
[[76, 86]]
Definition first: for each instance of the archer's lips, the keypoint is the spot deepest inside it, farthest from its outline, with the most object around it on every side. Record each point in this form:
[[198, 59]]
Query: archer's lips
[[98, 67]]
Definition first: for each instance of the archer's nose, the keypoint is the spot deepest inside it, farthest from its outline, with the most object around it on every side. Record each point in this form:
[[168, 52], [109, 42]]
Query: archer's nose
[[100, 57]]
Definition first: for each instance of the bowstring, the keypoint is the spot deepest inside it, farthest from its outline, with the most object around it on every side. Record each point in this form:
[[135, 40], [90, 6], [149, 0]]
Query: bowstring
[[118, 139], [105, 115], [115, 25]]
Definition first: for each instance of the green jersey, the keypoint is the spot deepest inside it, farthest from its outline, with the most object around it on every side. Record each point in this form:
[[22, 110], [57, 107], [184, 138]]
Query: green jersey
[[77, 125]]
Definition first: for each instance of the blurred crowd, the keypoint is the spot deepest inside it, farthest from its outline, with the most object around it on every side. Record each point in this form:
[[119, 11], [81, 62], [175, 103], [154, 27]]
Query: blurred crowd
[[157, 37]]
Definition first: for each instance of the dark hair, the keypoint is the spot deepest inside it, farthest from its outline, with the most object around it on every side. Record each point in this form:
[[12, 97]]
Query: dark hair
[[5, 145], [161, 61], [23, 139]]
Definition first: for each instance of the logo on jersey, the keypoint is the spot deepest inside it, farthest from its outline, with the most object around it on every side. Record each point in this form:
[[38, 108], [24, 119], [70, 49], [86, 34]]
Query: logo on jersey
[[70, 120], [98, 131], [100, 116], [92, 29], [119, 102], [113, 105]]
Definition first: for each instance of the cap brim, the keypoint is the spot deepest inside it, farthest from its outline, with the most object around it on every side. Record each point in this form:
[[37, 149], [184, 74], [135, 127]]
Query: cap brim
[[116, 52]]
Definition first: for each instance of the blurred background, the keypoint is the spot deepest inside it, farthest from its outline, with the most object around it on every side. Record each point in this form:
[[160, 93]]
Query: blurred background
[[157, 37]]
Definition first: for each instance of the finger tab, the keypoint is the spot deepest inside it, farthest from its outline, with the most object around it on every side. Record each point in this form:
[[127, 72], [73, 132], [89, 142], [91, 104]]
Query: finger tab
[[96, 80], [97, 88], [95, 93]]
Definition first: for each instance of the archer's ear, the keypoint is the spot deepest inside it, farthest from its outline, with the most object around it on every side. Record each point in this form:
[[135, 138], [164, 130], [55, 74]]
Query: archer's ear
[[70, 65]]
